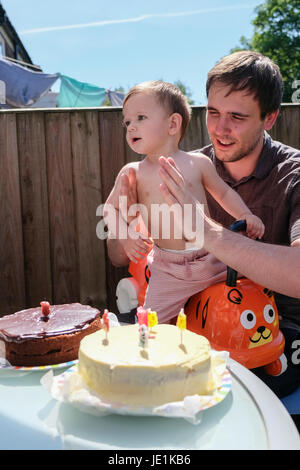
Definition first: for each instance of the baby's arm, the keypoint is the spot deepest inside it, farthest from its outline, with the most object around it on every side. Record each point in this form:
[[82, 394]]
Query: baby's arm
[[229, 199], [134, 244]]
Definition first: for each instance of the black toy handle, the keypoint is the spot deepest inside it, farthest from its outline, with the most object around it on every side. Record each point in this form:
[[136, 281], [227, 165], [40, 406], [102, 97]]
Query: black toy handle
[[237, 226]]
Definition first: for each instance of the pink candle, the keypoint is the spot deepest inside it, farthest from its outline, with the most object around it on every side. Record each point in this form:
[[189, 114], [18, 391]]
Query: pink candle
[[105, 320], [105, 324], [142, 315]]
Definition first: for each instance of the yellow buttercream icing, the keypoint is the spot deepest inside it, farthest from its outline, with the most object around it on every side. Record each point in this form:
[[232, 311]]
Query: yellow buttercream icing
[[121, 371]]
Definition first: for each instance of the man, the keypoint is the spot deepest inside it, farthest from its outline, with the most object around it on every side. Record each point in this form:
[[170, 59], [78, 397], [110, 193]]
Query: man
[[244, 94]]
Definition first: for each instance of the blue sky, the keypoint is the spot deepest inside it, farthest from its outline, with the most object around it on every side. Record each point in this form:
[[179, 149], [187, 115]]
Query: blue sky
[[121, 43]]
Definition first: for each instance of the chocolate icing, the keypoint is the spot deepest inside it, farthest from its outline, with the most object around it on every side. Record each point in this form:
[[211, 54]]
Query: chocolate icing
[[30, 323]]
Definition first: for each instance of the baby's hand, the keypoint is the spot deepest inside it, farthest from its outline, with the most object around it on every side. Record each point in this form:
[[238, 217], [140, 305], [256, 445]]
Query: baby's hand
[[255, 227], [136, 248], [129, 192]]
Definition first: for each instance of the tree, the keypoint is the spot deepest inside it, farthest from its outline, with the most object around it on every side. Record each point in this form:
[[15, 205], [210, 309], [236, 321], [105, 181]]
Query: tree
[[276, 35], [185, 90]]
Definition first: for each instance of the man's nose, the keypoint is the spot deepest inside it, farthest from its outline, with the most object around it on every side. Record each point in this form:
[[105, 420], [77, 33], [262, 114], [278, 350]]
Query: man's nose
[[223, 126]]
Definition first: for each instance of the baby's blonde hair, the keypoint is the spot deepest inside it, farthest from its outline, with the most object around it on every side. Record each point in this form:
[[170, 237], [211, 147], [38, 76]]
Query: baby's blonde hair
[[169, 96]]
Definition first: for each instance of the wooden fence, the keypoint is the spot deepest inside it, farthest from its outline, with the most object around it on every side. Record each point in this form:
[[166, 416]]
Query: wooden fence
[[56, 168]]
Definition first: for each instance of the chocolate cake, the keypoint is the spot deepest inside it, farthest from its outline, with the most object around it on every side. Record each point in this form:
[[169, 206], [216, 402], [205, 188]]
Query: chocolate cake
[[46, 335]]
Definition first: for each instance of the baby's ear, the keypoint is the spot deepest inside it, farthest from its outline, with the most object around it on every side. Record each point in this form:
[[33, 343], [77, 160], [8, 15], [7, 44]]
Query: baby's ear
[[175, 122]]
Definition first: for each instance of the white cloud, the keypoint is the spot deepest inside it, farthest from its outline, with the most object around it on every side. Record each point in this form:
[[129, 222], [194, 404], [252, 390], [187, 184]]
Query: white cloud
[[137, 19]]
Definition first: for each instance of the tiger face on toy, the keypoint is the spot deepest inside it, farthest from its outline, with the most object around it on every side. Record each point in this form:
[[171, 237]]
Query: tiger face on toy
[[242, 320]]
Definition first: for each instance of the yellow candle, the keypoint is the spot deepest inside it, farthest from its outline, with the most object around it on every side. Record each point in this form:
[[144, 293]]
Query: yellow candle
[[152, 318]]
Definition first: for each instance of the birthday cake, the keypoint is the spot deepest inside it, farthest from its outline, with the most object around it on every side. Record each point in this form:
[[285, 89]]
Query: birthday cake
[[39, 336], [121, 369]]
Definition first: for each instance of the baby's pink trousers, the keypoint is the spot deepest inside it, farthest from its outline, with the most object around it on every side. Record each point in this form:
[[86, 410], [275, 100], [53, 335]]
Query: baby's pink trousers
[[176, 276]]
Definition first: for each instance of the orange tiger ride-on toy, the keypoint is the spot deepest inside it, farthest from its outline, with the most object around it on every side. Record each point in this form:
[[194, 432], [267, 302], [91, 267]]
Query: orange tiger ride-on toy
[[241, 317]]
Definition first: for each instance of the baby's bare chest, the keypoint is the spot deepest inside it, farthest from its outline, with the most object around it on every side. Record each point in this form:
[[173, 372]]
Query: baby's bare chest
[[149, 183]]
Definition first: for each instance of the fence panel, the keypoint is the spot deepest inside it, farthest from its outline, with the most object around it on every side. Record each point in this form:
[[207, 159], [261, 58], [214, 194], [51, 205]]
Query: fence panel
[[287, 126], [61, 208], [35, 215], [87, 197], [12, 278]]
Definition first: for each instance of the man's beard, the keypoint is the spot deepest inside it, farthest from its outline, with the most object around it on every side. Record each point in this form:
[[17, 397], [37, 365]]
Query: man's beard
[[244, 151]]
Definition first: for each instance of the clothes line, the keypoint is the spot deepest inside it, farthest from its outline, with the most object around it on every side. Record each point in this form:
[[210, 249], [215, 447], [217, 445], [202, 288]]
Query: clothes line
[[116, 98], [74, 94], [21, 87]]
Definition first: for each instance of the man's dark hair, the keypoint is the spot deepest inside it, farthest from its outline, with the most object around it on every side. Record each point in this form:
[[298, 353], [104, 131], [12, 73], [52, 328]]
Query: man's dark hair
[[253, 72]]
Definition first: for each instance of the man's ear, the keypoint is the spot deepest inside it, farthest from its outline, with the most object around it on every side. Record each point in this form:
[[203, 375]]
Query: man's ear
[[175, 122], [270, 120]]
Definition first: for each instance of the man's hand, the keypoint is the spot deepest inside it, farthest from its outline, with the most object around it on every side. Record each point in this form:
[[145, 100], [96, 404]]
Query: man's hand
[[175, 191]]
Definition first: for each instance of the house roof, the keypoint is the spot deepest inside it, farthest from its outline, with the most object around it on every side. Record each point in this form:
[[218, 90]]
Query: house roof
[[10, 30]]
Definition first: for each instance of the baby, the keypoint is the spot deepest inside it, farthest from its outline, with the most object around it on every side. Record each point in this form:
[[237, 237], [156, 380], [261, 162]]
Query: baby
[[156, 115]]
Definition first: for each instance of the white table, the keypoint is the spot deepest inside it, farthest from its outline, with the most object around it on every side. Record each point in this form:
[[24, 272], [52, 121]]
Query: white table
[[250, 417]]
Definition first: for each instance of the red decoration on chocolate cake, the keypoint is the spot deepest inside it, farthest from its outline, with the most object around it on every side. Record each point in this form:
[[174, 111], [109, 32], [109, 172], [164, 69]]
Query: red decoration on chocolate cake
[[45, 308]]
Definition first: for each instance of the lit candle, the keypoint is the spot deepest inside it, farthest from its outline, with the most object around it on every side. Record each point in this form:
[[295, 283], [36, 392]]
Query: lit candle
[[181, 322], [142, 315], [105, 323], [152, 319]]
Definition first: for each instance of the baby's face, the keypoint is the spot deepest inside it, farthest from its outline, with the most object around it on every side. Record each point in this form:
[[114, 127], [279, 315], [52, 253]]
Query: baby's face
[[146, 122]]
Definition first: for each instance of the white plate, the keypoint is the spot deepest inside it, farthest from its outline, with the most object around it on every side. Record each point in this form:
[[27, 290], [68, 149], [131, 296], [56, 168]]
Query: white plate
[[68, 387]]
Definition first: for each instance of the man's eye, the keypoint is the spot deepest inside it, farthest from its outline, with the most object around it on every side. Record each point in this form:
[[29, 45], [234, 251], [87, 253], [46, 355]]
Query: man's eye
[[212, 113], [141, 117], [126, 123], [237, 118]]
